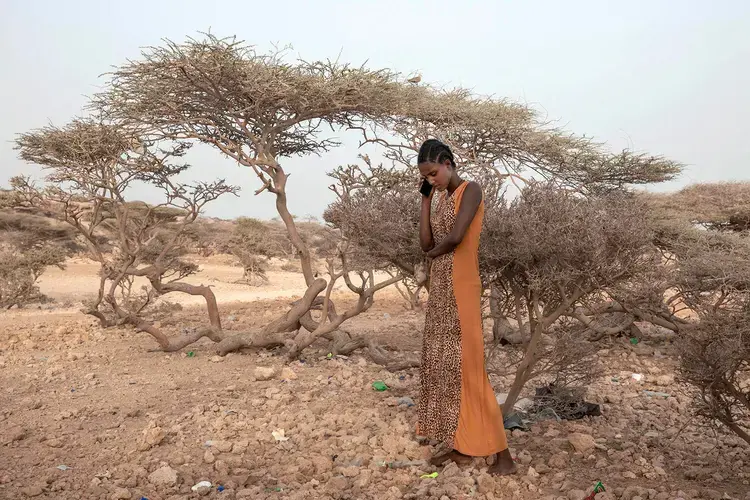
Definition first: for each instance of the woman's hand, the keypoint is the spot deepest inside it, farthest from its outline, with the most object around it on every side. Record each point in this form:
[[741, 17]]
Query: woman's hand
[[425, 229], [422, 182], [420, 273]]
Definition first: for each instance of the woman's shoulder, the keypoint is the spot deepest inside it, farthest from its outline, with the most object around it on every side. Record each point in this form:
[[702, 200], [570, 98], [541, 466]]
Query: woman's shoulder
[[473, 188], [469, 194]]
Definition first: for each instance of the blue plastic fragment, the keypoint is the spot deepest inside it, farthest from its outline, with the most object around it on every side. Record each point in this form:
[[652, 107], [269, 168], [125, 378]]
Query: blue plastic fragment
[[219, 488]]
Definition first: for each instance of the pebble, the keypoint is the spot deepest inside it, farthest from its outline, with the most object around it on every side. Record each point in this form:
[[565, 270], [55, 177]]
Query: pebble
[[120, 494], [558, 461], [664, 380], [337, 484], [18, 435], [576, 495], [264, 373], [525, 457], [153, 435], [164, 476], [486, 484], [240, 447], [32, 491], [582, 443], [55, 443]]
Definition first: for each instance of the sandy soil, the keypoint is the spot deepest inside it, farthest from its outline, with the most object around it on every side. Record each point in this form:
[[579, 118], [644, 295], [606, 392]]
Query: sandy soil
[[79, 282], [87, 413]]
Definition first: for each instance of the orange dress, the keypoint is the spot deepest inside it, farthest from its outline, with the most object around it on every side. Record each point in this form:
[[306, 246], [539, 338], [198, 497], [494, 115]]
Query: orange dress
[[457, 404]]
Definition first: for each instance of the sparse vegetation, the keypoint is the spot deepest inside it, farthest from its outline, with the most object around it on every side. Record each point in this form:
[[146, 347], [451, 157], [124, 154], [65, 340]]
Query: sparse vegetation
[[90, 166], [21, 267]]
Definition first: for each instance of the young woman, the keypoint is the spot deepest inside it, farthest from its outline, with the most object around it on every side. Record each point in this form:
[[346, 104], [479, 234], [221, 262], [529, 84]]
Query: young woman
[[457, 405]]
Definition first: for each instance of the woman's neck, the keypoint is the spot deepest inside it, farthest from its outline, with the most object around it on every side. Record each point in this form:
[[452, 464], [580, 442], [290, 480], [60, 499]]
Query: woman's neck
[[454, 183]]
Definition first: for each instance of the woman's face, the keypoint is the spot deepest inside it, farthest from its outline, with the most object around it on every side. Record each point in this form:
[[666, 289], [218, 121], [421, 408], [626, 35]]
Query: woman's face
[[437, 174]]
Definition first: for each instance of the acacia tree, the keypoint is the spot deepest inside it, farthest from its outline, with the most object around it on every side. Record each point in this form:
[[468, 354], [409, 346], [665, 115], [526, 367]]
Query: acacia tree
[[91, 165], [511, 142], [544, 255], [255, 108]]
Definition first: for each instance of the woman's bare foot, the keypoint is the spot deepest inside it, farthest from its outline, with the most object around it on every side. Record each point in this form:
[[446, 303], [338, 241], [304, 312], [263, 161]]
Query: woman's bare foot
[[503, 464], [451, 456]]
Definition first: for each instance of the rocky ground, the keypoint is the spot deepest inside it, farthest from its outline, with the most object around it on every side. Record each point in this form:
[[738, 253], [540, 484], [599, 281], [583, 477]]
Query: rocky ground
[[91, 414]]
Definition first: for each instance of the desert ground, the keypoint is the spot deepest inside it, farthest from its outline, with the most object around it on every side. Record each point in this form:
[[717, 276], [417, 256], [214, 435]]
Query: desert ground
[[88, 413]]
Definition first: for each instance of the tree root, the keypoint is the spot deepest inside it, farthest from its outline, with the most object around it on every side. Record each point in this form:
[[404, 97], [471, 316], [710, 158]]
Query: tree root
[[175, 344], [270, 336], [249, 340], [377, 354]]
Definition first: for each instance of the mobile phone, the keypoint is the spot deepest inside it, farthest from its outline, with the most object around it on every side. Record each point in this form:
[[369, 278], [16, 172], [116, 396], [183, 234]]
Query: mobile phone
[[425, 188]]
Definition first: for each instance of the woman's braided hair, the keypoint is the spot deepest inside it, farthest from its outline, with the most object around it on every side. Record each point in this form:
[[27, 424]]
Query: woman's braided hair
[[434, 151]]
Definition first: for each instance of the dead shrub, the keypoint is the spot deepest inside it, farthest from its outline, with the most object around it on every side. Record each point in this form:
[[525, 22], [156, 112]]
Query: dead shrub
[[715, 361], [720, 206], [21, 268]]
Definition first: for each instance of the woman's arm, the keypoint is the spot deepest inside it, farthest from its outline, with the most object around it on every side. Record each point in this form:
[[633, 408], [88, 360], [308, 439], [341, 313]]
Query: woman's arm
[[425, 228], [470, 202]]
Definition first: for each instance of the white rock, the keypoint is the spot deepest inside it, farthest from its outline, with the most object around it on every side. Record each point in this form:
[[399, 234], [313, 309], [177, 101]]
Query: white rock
[[202, 484]]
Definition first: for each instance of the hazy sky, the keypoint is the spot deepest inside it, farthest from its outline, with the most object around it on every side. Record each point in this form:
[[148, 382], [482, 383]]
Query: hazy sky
[[668, 77]]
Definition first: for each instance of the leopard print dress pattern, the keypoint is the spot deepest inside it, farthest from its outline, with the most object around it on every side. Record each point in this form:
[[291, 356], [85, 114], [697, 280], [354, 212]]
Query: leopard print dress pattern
[[440, 372]]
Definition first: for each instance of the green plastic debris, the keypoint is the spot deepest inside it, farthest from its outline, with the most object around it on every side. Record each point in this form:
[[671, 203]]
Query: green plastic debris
[[379, 386], [429, 476], [191, 354], [598, 488], [633, 340]]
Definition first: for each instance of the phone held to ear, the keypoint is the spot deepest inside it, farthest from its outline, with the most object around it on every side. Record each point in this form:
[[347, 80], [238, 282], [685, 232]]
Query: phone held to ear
[[425, 189]]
